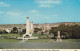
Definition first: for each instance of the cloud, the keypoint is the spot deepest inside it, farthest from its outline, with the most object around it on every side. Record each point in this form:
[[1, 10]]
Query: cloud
[[2, 4], [47, 3], [33, 11], [13, 13]]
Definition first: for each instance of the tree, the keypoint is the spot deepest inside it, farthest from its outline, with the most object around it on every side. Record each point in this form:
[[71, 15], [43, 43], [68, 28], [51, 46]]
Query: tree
[[24, 31], [1, 32], [67, 31], [36, 30], [14, 30], [53, 30], [4, 31], [75, 31]]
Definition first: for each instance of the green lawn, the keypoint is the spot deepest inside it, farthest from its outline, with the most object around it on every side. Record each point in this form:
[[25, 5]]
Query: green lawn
[[18, 35], [41, 40], [52, 40], [2, 39], [9, 35], [38, 35], [72, 40], [8, 40]]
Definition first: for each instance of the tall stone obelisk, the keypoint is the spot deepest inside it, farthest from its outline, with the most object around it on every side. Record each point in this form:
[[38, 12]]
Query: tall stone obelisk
[[27, 26], [58, 36], [27, 30]]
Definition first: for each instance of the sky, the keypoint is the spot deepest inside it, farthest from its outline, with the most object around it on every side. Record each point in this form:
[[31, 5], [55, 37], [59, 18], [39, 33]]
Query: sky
[[39, 11]]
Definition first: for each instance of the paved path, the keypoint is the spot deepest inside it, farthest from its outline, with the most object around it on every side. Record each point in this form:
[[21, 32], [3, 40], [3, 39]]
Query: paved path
[[41, 45]]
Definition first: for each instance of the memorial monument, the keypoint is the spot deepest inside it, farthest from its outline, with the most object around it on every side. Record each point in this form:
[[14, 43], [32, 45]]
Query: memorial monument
[[29, 31], [58, 37]]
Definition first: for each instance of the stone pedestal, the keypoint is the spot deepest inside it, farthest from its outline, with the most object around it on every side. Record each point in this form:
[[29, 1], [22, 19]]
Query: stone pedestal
[[58, 37]]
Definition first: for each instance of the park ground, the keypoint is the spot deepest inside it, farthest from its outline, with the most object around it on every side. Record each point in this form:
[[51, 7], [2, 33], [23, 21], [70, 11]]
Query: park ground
[[35, 40], [38, 43]]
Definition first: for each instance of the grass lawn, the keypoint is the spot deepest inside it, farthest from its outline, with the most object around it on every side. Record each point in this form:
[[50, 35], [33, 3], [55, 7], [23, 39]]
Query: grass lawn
[[38, 35], [2, 39], [41, 40], [8, 40], [38, 43], [72, 40], [9, 35], [35, 40], [52, 40]]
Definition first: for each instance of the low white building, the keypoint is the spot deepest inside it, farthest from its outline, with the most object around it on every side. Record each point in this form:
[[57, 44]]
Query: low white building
[[8, 30]]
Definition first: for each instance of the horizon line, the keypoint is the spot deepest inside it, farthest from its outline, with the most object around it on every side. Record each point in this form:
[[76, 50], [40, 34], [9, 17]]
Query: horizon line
[[46, 23]]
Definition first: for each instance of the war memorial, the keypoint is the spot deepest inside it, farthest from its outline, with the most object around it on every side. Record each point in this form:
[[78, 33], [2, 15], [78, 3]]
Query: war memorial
[[28, 41], [39, 25], [29, 31]]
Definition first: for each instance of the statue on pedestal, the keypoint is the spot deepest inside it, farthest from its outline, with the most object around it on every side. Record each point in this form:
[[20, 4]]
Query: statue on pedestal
[[58, 37]]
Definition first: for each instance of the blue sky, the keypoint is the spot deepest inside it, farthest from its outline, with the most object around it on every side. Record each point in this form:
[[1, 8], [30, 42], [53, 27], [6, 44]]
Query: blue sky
[[39, 11]]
